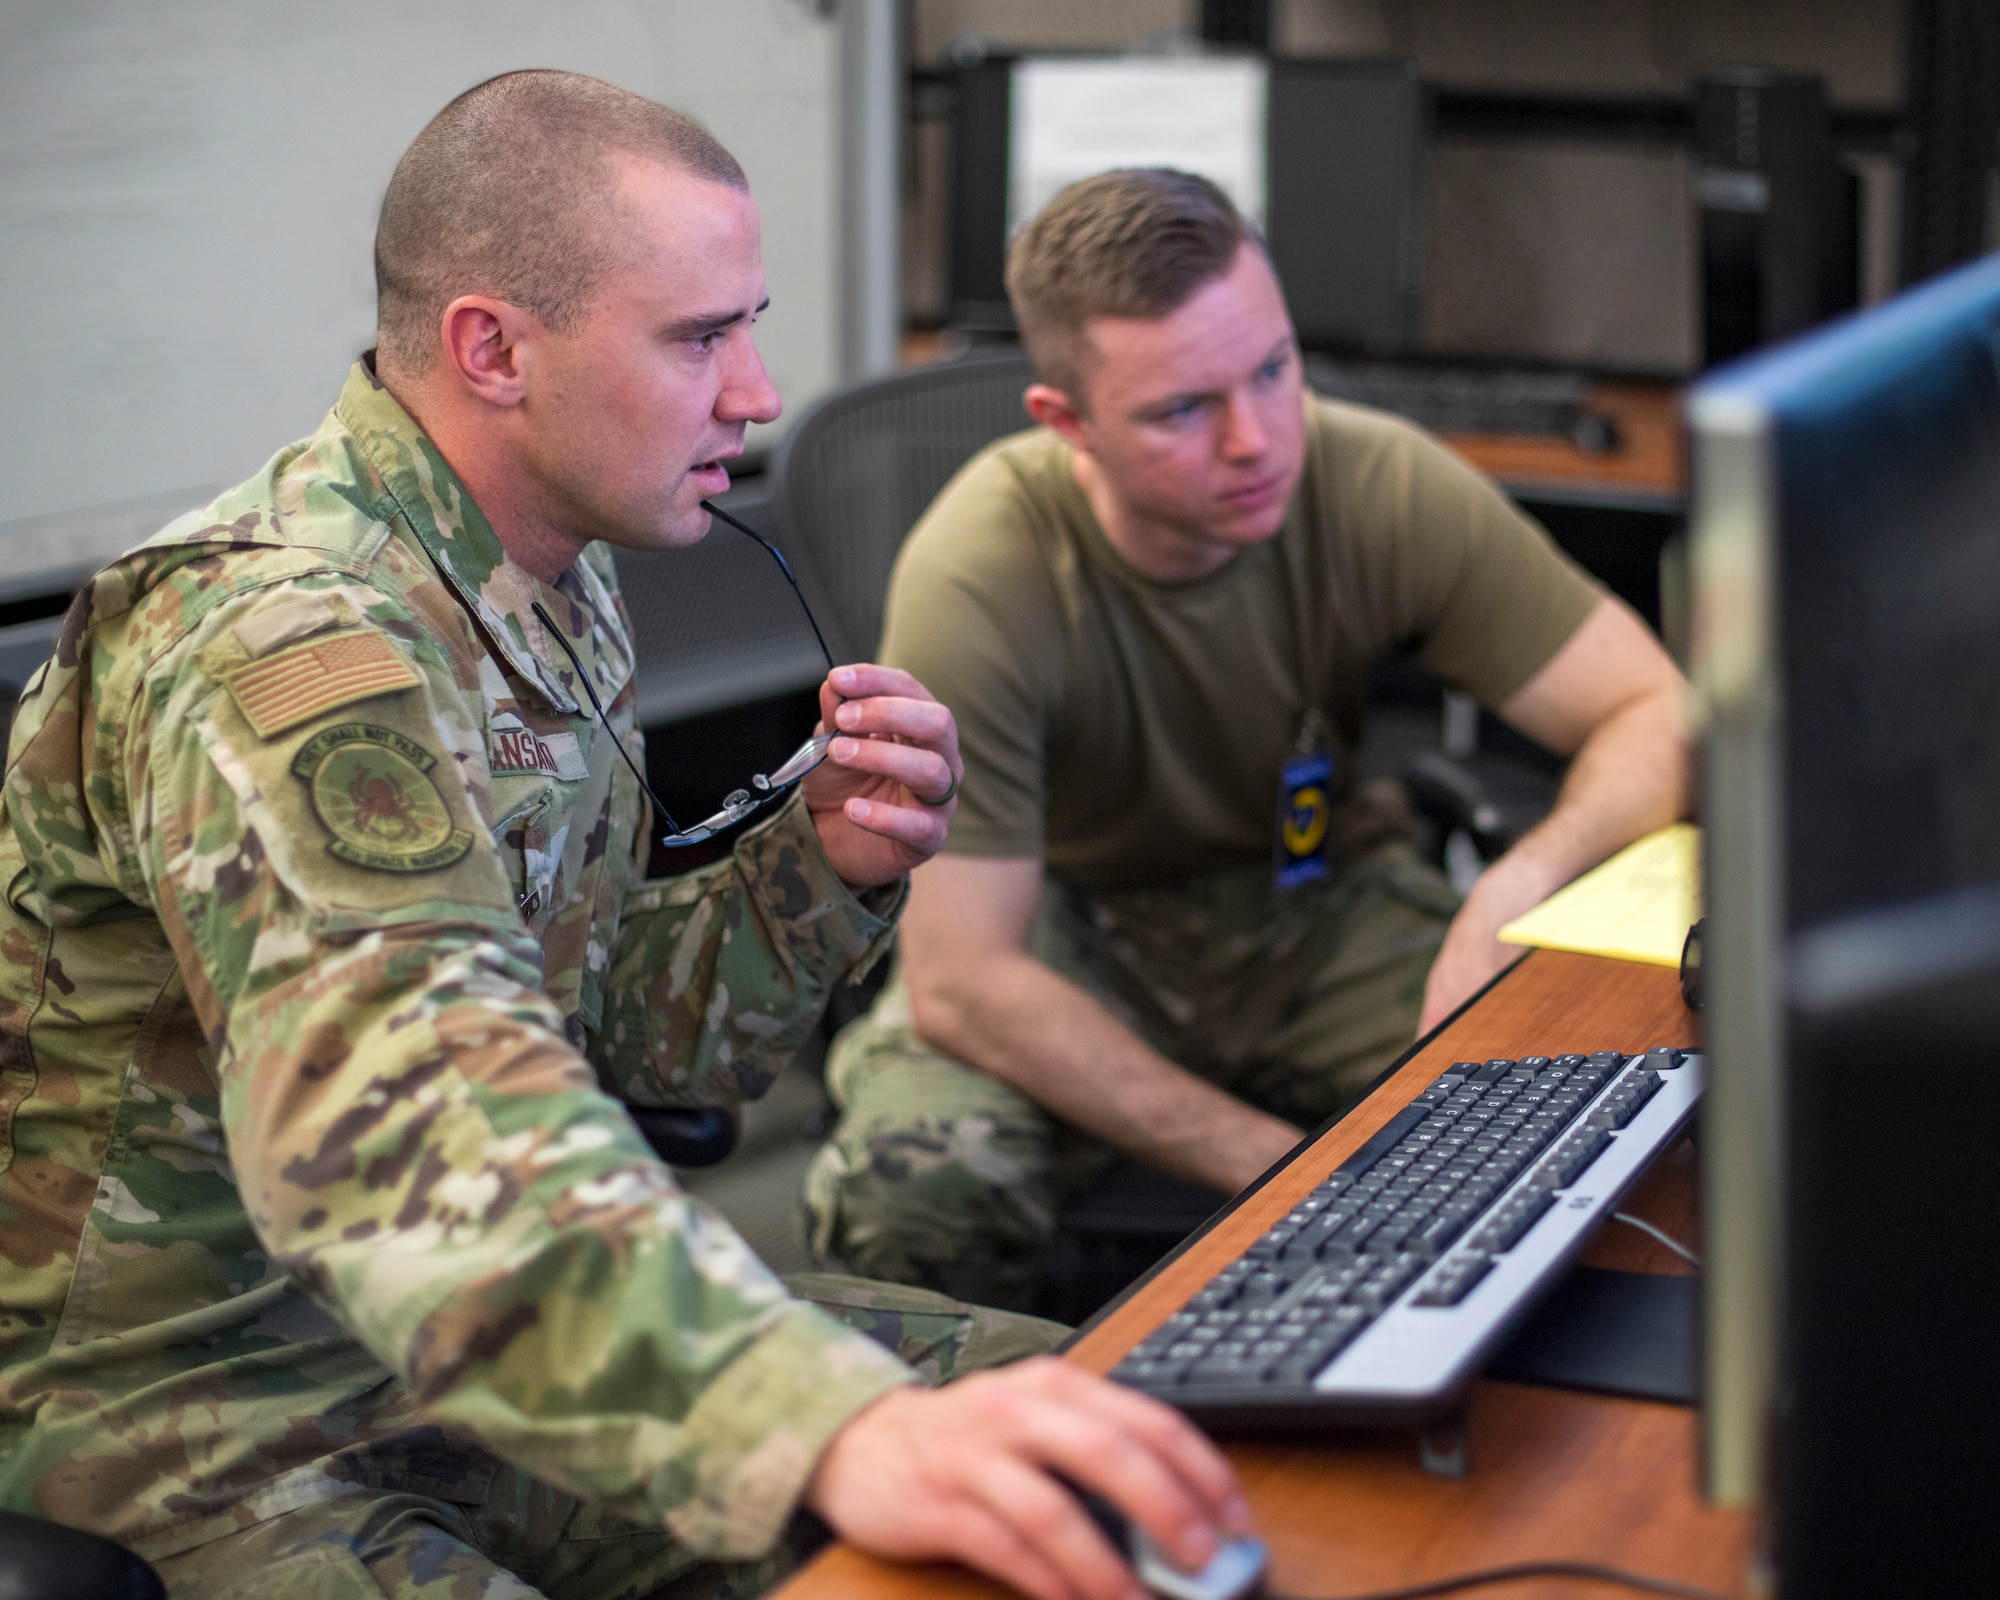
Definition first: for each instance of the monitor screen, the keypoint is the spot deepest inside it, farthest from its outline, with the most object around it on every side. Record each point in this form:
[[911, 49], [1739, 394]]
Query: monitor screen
[[1847, 666], [1076, 118]]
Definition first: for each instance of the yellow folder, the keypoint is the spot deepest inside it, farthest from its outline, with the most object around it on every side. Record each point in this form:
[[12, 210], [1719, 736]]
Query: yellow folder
[[1638, 906]]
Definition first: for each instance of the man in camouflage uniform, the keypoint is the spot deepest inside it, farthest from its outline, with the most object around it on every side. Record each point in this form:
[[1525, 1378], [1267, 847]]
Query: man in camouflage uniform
[[329, 1263]]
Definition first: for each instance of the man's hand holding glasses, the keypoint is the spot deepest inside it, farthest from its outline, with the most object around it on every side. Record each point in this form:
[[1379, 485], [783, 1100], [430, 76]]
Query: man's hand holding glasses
[[884, 796], [880, 772]]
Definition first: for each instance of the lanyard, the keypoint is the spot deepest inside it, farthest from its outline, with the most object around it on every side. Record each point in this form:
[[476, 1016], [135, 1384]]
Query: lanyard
[[1306, 781]]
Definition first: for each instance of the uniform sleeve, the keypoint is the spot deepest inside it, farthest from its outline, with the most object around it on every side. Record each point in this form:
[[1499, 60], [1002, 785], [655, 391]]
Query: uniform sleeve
[[1451, 568], [719, 977], [414, 1140], [972, 615]]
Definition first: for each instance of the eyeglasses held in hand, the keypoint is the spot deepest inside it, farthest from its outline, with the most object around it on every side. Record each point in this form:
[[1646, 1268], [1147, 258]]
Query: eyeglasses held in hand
[[738, 803]]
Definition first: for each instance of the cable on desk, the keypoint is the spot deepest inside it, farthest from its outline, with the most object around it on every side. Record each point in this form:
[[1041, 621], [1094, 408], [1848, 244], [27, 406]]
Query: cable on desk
[[1660, 1234], [1589, 1571]]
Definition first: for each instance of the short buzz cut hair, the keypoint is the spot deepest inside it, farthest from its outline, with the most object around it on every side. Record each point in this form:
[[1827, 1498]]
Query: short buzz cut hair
[[511, 191], [1137, 242]]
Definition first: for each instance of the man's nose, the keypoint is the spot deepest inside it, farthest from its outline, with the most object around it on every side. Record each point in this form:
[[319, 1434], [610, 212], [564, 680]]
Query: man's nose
[[1243, 435], [747, 394]]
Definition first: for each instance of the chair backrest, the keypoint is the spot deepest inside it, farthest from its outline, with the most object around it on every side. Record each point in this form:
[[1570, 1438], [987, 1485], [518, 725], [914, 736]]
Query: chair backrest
[[714, 624], [856, 472]]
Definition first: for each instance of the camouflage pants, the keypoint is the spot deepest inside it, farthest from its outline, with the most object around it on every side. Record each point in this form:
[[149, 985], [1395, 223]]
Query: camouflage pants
[[941, 1175], [519, 1539]]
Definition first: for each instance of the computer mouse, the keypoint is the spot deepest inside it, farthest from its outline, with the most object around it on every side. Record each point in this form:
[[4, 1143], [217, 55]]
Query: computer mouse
[[1235, 1573]]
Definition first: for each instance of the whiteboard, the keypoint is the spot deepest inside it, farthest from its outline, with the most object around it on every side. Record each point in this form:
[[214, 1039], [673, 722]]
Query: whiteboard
[[188, 194], [1072, 119]]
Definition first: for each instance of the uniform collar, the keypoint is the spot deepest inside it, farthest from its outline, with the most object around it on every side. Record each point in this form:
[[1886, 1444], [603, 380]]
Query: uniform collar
[[454, 531]]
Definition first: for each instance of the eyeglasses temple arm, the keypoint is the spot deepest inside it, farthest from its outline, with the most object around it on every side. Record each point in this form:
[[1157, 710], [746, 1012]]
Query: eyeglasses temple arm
[[784, 566], [596, 705]]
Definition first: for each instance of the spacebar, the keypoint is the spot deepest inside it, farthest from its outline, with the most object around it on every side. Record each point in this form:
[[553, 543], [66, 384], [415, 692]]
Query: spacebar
[[1385, 1141]]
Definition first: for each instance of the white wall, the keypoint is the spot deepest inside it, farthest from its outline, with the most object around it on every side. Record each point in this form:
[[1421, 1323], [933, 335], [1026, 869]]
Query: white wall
[[188, 196]]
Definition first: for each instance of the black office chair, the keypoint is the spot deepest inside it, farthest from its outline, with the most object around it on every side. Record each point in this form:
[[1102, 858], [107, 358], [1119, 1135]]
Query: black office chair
[[858, 469], [45, 1561], [1113, 1233]]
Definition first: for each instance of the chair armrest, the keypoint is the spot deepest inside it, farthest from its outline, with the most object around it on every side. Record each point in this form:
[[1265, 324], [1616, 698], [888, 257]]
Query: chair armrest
[[1448, 793]]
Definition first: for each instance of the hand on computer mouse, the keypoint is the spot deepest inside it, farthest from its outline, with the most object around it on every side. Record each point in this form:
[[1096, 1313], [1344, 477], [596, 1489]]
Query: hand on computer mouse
[[968, 1473], [1236, 1572]]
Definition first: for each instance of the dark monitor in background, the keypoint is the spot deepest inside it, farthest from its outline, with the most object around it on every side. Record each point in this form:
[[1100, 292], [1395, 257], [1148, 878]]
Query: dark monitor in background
[[1341, 146], [1346, 141], [1779, 210], [1847, 659]]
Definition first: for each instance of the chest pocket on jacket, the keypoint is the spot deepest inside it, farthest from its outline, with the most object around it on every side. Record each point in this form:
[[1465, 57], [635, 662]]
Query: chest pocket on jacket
[[531, 836]]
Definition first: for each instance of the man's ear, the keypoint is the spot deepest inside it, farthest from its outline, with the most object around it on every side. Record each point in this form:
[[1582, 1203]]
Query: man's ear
[[1055, 411], [482, 340]]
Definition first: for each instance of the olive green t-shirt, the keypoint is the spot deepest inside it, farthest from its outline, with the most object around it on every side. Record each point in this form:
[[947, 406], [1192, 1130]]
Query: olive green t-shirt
[[1132, 733]]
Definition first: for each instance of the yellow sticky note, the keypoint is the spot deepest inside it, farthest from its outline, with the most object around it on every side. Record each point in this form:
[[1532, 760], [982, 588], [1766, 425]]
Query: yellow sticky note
[[1638, 906]]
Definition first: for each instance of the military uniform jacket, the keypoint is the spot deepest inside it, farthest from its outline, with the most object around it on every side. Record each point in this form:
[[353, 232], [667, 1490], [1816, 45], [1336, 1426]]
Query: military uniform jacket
[[323, 936]]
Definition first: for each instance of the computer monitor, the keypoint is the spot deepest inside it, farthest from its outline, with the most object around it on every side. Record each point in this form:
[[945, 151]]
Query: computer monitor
[[1326, 155], [1846, 558]]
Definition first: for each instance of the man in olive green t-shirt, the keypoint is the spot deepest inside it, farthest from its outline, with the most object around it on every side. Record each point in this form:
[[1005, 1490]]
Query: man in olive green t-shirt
[[1167, 920]]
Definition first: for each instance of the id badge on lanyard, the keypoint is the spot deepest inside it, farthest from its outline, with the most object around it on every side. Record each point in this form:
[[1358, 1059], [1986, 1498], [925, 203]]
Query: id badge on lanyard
[[1305, 806]]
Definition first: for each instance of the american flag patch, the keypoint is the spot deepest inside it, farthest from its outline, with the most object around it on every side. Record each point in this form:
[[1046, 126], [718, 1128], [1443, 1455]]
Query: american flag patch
[[284, 689]]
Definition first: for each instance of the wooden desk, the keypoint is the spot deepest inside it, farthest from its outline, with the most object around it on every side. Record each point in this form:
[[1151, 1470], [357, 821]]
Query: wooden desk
[[1554, 1475], [1648, 469]]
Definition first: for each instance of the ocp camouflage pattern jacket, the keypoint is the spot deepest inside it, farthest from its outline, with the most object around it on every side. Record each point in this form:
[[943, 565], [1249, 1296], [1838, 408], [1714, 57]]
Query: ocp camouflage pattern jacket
[[325, 959]]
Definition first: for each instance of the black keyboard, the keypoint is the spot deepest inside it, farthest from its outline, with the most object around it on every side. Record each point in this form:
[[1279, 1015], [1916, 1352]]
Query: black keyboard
[[1471, 399], [1377, 1296]]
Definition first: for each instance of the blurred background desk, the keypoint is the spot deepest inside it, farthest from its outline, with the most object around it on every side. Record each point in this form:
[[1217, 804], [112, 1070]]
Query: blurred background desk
[[1646, 469], [1553, 1474], [1615, 511]]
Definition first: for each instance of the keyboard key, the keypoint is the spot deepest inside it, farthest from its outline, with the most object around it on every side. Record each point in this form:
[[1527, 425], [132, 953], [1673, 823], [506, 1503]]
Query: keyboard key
[[1567, 1163], [1395, 1273], [1455, 1280], [1378, 1147], [1247, 1369], [1335, 1327], [1390, 1236], [1149, 1374], [1265, 1287], [1436, 1235], [1514, 1219]]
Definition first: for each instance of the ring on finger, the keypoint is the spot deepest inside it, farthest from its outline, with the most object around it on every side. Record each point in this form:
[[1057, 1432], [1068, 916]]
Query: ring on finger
[[944, 799]]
